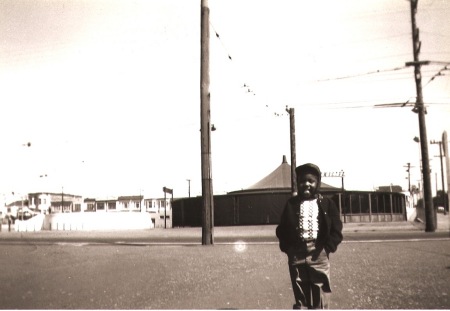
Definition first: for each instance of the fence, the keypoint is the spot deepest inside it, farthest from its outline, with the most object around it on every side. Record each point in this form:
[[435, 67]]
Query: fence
[[266, 208]]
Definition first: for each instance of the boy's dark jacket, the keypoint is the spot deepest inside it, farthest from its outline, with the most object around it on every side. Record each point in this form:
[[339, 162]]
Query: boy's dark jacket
[[330, 225]]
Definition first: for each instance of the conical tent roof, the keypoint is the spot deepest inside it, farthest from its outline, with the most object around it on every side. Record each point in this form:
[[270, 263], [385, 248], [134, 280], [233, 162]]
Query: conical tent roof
[[279, 180]]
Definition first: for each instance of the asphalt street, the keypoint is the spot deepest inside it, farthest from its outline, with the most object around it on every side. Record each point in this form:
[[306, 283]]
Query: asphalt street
[[40, 271]]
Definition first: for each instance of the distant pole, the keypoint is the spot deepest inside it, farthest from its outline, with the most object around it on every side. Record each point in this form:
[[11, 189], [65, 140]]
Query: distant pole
[[171, 207], [447, 166], [207, 191], [170, 191], [442, 176], [430, 223], [293, 150], [165, 210], [189, 187], [62, 199], [21, 198], [408, 166]]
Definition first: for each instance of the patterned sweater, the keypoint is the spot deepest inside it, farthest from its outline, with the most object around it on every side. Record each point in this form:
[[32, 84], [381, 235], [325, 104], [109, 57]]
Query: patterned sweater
[[329, 233]]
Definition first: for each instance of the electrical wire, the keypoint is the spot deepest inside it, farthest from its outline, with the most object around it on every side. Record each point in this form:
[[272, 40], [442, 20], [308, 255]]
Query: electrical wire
[[363, 74], [383, 74], [246, 86]]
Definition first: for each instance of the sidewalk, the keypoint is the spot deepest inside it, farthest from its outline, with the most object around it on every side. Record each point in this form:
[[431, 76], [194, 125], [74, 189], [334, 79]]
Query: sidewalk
[[443, 225]]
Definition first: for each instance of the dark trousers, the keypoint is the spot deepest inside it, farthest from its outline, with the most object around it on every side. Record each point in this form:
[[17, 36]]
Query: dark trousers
[[308, 294], [310, 279]]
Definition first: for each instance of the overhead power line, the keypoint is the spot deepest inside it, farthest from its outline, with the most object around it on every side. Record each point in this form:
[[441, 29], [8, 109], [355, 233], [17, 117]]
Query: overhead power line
[[218, 36], [363, 74], [439, 73], [246, 86]]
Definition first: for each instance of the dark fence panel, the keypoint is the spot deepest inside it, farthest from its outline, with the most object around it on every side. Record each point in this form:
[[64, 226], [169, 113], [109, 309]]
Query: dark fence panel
[[364, 206], [258, 209], [224, 211], [266, 208], [187, 212], [231, 210]]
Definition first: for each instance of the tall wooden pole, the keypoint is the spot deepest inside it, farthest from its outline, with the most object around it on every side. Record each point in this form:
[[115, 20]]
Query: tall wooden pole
[[447, 168], [293, 150], [442, 176], [207, 192], [430, 214]]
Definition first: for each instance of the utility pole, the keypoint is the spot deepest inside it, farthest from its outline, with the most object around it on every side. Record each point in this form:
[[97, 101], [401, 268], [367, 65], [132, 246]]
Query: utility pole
[[62, 199], [430, 220], [408, 166], [207, 192], [447, 166], [189, 187], [440, 143], [170, 191], [442, 173], [293, 150]]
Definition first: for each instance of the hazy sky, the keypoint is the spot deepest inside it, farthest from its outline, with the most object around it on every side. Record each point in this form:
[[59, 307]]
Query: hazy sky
[[108, 92]]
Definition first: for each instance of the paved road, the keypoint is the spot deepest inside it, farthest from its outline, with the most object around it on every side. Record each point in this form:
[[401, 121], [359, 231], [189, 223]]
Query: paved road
[[37, 272]]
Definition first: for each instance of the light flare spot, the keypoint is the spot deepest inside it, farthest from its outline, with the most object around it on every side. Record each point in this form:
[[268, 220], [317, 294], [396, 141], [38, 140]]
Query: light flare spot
[[240, 246]]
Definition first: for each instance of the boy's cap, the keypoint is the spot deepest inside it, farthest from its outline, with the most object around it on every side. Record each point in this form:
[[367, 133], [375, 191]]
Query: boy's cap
[[308, 168]]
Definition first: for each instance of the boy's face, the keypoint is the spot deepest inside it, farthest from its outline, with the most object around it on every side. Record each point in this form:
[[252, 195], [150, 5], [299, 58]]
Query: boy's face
[[307, 185]]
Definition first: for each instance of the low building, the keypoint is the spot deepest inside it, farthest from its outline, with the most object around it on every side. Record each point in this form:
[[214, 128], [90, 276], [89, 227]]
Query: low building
[[263, 203], [71, 212], [47, 202]]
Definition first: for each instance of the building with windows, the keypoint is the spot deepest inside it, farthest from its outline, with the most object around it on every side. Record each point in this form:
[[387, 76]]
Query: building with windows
[[62, 211]]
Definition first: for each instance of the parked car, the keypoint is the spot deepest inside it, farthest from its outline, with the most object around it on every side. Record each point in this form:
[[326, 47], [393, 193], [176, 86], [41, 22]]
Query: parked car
[[25, 214]]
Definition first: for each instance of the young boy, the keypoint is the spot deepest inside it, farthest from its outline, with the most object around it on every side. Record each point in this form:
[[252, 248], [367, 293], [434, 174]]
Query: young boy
[[310, 229]]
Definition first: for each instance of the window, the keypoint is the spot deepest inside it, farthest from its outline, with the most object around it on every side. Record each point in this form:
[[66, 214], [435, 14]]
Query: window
[[91, 207], [112, 205], [77, 208]]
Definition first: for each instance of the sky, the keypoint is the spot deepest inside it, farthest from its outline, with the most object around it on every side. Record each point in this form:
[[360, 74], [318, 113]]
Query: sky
[[107, 93]]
